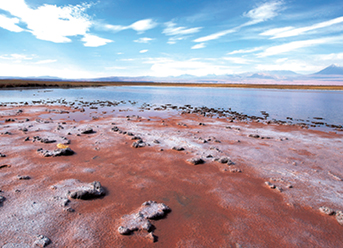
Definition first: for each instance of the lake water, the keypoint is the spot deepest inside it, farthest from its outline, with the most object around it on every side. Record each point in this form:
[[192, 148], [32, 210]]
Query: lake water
[[280, 104]]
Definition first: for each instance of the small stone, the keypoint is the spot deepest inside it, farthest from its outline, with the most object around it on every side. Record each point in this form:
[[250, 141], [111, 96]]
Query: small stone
[[177, 148], [289, 186], [87, 131], [69, 209], [151, 237], [138, 144], [255, 136], [123, 231], [235, 170], [279, 189], [23, 177], [326, 210], [95, 190], [272, 186], [339, 217], [195, 161], [2, 199], [56, 153], [42, 241], [2, 155], [27, 139]]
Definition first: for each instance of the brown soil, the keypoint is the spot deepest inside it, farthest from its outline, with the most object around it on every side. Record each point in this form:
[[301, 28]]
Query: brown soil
[[211, 206]]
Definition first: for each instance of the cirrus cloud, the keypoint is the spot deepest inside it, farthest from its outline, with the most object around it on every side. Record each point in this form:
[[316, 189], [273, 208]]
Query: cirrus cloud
[[140, 26]]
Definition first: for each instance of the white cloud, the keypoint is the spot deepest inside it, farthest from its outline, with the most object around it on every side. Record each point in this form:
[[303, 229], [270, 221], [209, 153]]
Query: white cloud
[[49, 22], [143, 25], [290, 31], [291, 46], [52, 23], [30, 70], [169, 67], [10, 24], [94, 41], [275, 31], [250, 50], [291, 65], [47, 61], [143, 40], [116, 68], [178, 33], [215, 35], [143, 51], [263, 12], [172, 30], [331, 56], [238, 60], [16, 57], [198, 46], [140, 26]]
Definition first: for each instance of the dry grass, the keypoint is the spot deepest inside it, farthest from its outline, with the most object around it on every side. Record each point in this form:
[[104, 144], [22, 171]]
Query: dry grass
[[71, 84]]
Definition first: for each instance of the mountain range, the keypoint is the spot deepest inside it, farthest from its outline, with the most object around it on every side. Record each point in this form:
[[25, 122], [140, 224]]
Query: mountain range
[[332, 74]]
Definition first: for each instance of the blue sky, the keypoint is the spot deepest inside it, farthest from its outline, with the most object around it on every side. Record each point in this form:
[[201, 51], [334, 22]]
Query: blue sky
[[84, 39]]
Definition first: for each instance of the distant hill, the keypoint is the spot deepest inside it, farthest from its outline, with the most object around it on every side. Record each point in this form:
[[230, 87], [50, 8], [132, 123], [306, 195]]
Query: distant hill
[[331, 70]]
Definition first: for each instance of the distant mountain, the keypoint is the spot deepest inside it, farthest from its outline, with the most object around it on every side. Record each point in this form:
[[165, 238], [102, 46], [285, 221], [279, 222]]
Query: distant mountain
[[331, 74], [331, 70], [261, 75]]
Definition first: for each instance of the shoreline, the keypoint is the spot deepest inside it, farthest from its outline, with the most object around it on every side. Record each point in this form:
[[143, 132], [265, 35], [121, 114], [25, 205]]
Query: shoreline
[[259, 185], [13, 84]]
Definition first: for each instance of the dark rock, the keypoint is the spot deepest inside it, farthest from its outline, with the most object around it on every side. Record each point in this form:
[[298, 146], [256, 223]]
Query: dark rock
[[42, 241], [27, 139], [2, 199], [9, 120], [326, 210], [87, 131], [140, 219], [2, 155], [23, 177], [235, 170], [272, 186], [178, 148], [94, 190], [255, 136], [43, 140], [115, 129], [56, 153], [156, 141], [195, 161], [138, 144]]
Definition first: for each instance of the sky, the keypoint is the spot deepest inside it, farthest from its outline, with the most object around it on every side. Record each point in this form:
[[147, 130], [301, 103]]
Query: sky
[[167, 38]]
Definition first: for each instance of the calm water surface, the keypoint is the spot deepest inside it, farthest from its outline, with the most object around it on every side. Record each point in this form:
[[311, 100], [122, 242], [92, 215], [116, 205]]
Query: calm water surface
[[298, 104]]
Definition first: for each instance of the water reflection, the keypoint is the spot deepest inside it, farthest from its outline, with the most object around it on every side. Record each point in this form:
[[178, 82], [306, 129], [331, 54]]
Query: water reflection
[[280, 104]]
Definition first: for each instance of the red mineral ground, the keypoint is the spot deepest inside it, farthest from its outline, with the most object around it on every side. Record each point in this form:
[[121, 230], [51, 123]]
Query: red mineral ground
[[223, 202]]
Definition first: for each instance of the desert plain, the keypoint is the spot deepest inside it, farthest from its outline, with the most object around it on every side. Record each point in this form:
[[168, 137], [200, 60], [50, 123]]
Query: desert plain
[[222, 179]]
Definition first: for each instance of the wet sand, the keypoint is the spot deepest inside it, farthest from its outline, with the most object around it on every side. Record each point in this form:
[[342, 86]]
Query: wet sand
[[212, 204]]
